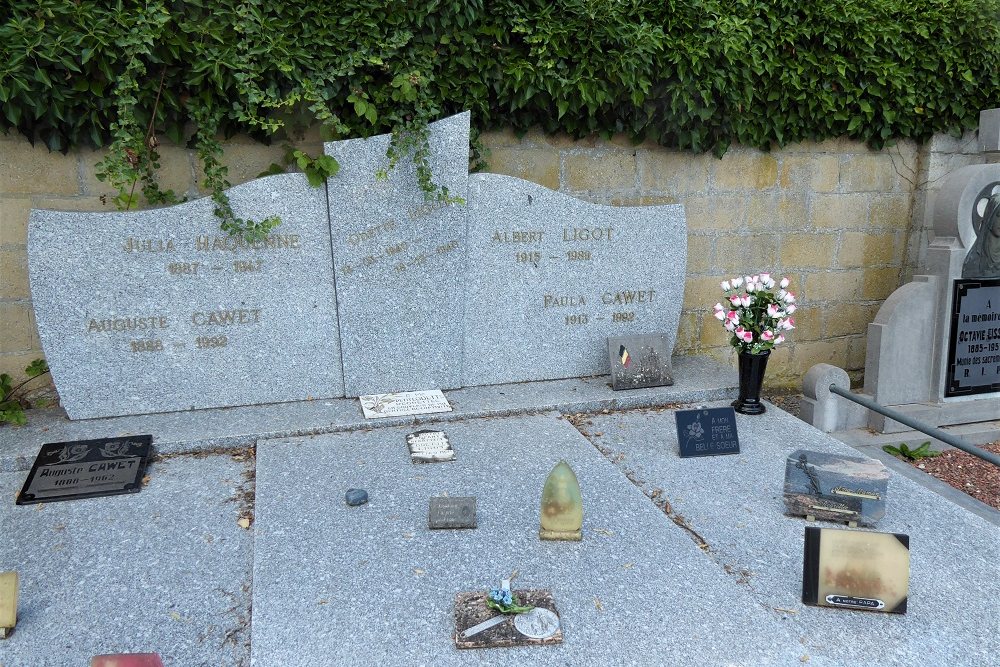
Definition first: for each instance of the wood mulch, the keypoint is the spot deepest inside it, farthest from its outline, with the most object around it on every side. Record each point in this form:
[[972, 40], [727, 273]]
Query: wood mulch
[[976, 477]]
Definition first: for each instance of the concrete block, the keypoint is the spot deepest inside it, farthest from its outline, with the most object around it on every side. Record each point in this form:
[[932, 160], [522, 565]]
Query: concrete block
[[748, 254], [805, 251], [746, 169], [722, 213], [867, 173], [840, 211], [771, 212], [14, 220], [664, 170], [538, 165], [27, 169], [14, 274], [989, 131]]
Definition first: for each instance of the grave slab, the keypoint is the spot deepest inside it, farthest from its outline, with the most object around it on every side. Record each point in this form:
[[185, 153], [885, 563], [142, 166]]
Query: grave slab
[[398, 263], [160, 310], [735, 503], [166, 570], [637, 587], [697, 379], [551, 277]]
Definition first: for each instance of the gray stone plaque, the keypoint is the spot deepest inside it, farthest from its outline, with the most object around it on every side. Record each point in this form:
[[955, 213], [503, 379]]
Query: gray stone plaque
[[160, 310], [639, 361], [399, 262], [552, 277], [458, 512]]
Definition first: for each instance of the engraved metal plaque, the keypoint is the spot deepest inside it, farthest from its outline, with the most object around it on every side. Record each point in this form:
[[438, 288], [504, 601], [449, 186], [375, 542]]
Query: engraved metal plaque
[[87, 469], [458, 512], [707, 432], [539, 623], [429, 446]]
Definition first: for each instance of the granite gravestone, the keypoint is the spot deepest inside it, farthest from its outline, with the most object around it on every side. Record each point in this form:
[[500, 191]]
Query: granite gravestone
[[398, 260], [552, 277], [159, 310]]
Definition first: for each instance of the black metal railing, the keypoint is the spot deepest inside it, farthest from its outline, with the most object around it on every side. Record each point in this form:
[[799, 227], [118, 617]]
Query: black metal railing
[[906, 420]]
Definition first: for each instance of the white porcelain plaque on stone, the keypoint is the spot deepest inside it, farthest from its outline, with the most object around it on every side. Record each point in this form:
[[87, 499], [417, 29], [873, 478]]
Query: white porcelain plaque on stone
[[399, 261], [160, 310], [405, 403], [552, 277]]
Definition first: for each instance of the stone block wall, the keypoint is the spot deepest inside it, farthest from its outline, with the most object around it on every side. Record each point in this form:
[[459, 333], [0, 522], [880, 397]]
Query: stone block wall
[[846, 224]]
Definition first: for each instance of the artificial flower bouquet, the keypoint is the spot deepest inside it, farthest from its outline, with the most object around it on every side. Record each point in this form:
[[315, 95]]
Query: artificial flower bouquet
[[756, 313]]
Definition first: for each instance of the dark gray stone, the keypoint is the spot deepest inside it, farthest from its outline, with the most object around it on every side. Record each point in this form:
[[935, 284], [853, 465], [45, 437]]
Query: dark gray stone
[[457, 512], [552, 277], [398, 262], [639, 361], [160, 310], [835, 487], [355, 497]]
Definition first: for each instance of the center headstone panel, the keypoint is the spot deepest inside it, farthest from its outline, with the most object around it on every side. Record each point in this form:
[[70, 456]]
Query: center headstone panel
[[551, 277], [399, 262], [160, 310]]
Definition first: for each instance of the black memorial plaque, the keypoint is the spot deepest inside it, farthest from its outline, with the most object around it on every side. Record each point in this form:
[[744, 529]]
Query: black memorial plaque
[[974, 347], [707, 432], [87, 469], [458, 512]]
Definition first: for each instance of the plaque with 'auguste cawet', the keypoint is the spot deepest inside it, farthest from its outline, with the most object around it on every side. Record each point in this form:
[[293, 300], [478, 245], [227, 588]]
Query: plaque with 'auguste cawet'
[[87, 469], [160, 310]]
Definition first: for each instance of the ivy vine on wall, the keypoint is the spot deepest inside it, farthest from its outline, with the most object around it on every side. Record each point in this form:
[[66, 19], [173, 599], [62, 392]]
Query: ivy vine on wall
[[692, 74]]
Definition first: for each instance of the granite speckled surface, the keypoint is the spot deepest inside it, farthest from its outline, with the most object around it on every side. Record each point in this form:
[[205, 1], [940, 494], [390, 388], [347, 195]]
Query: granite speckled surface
[[736, 504], [551, 277], [399, 262], [166, 570], [373, 585], [160, 310], [697, 379]]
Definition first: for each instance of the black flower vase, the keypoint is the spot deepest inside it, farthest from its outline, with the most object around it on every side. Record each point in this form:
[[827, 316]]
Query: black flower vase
[[752, 367]]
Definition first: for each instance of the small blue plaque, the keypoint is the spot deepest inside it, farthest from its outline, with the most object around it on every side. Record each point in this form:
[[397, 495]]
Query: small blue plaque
[[707, 432]]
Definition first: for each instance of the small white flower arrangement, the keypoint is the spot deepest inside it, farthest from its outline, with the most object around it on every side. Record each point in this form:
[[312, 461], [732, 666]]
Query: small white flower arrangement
[[758, 311]]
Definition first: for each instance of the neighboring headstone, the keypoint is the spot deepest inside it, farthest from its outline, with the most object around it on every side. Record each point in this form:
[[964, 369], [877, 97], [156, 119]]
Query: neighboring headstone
[[429, 446], [552, 277], [451, 512], [913, 364], [8, 603], [87, 469], [399, 261], [707, 432], [562, 505], [835, 488], [479, 626], [160, 310], [355, 497], [974, 344], [403, 404], [639, 361], [856, 570]]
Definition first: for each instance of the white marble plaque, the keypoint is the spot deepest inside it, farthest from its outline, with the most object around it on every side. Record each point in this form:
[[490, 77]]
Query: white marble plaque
[[404, 403], [429, 447]]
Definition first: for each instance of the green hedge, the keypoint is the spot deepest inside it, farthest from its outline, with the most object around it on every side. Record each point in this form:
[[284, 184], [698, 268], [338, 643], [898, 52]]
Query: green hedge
[[686, 73]]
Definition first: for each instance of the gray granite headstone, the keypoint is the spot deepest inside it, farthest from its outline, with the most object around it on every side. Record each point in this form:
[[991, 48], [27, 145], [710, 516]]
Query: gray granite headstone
[[160, 310], [399, 262], [552, 277]]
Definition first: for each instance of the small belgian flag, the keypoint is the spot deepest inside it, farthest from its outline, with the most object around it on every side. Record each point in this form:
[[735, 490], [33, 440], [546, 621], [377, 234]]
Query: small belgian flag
[[625, 357]]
